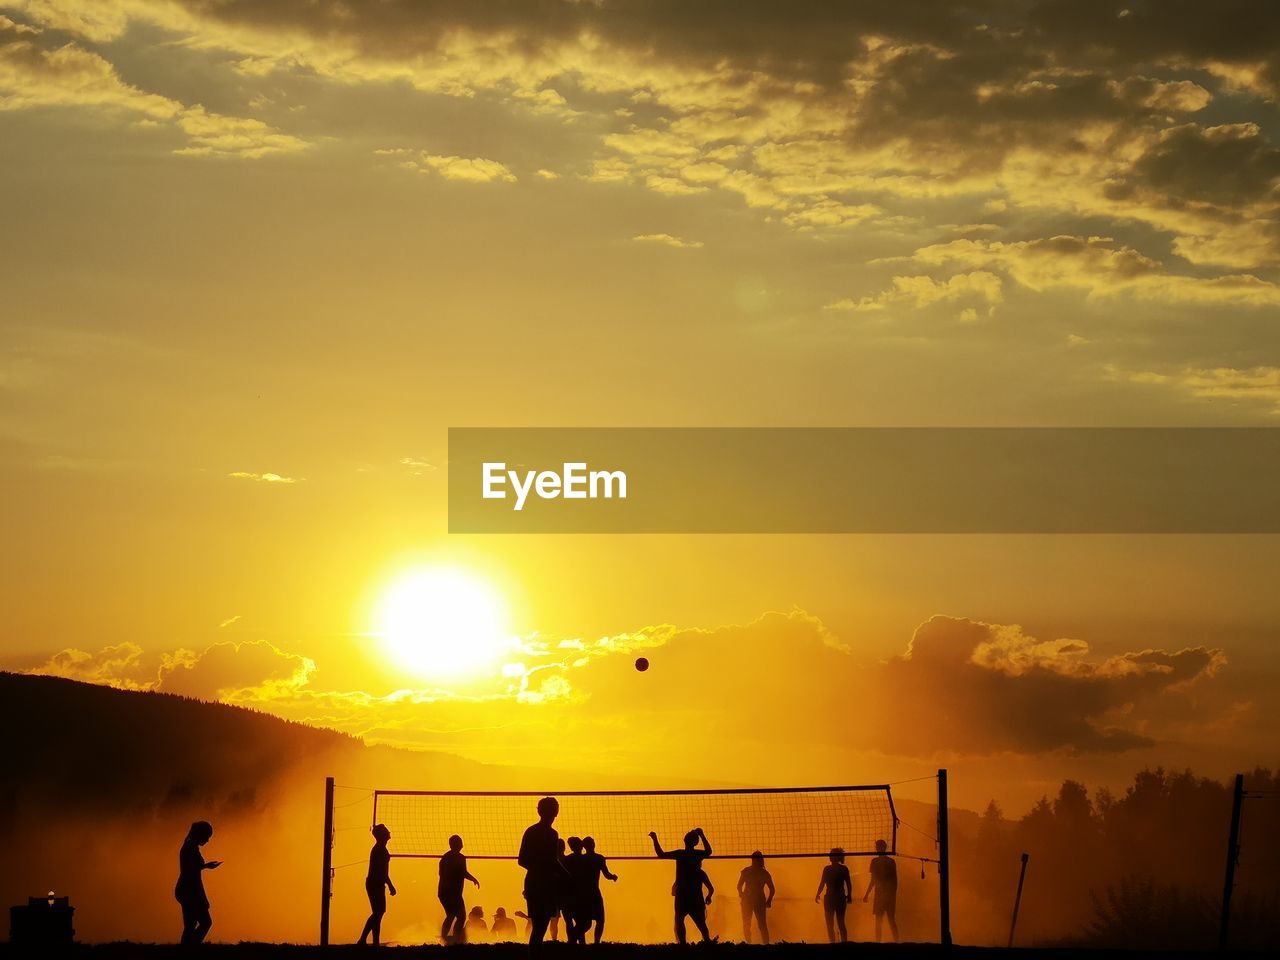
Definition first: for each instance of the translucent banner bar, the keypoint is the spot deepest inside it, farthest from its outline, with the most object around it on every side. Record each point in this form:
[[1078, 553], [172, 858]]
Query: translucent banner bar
[[864, 480]]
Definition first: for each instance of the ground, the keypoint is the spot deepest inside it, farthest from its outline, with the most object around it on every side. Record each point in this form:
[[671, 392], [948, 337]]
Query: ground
[[612, 951]]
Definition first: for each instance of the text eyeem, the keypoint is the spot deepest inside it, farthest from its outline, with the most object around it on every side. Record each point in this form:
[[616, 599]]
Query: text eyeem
[[573, 482]]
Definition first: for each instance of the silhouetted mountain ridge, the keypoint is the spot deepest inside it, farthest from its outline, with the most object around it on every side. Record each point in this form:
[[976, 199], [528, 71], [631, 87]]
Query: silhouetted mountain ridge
[[95, 747]]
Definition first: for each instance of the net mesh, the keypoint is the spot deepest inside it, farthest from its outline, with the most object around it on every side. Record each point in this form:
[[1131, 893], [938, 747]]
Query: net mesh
[[796, 822]]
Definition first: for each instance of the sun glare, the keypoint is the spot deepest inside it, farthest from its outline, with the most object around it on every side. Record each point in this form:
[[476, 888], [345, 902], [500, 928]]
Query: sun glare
[[442, 623]]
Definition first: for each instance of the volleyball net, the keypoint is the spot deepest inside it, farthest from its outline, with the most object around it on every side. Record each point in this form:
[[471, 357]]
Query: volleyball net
[[781, 822]]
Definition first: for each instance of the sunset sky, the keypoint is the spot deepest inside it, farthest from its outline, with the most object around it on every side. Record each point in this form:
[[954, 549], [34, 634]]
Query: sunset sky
[[257, 257]]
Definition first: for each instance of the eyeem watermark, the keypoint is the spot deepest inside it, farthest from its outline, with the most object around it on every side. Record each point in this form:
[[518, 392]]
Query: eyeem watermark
[[1007, 480], [573, 482]]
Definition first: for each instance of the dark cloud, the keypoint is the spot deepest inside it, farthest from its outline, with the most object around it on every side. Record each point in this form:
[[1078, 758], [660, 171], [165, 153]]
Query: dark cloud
[[804, 37], [1161, 31], [1229, 166], [978, 688], [1075, 109], [962, 686]]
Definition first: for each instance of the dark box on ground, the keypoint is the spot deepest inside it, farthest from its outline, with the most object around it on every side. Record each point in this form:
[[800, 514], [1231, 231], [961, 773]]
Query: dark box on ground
[[42, 922]]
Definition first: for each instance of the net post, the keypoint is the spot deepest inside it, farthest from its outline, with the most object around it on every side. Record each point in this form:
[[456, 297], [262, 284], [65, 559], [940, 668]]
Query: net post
[[1017, 900], [326, 881], [944, 864], [1233, 855]]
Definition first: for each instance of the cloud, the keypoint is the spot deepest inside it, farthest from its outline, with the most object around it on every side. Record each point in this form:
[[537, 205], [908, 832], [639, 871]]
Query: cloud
[[1228, 166], [118, 665], [826, 212], [961, 686], [464, 169], [418, 467], [668, 240], [214, 135], [782, 686], [975, 687], [919, 292], [1259, 385], [815, 113], [252, 670], [35, 73], [262, 477], [1100, 267]]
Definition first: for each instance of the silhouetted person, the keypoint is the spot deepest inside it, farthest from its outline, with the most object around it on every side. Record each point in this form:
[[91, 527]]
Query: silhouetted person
[[553, 928], [453, 873], [503, 927], [689, 881], [377, 883], [544, 873], [591, 908], [476, 928], [189, 890], [884, 881], [574, 892], [705, 881], [752, 884], [839, 889]]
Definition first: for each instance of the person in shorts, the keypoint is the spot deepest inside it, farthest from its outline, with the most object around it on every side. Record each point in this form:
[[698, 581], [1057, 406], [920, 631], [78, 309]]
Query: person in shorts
[[453, 873], [689, 901]]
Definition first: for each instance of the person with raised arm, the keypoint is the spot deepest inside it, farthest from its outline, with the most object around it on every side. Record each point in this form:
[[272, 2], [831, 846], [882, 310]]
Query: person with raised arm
[[689, 901]]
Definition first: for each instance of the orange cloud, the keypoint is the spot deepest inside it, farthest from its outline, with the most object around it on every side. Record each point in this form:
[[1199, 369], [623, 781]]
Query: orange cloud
[[251, 670]]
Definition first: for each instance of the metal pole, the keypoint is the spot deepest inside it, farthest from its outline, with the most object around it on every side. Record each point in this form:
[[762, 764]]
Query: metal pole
[[944, 864], [326, 882], [1017, 900], [1233, 854]]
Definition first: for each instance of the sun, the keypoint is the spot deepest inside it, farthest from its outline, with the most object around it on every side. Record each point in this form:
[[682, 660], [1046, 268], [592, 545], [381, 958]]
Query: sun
[[442, 623]]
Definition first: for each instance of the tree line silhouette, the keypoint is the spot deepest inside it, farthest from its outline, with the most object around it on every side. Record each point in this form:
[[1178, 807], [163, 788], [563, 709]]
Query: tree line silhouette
[[1143, 867]]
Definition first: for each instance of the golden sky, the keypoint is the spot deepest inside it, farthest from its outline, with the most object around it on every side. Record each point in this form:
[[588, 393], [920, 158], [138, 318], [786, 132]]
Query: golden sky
[[256, 257]]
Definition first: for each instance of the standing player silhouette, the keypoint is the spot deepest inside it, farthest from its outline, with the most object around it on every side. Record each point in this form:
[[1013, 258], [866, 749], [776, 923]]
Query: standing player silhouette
[[752, 884], [377, 883], [574, 895], [688, 887], [453, 872], [839, 886], [591, 905], [189, 890], [545, 875], [884, 881]]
